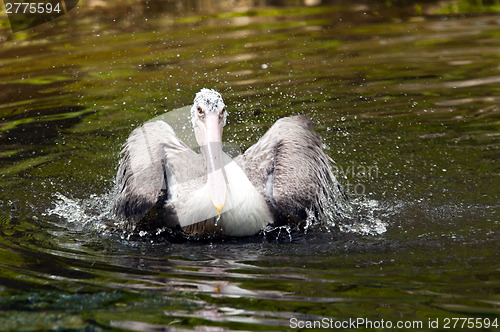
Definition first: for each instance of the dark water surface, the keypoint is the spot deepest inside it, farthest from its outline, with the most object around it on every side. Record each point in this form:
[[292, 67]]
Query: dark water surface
[[405, 98]]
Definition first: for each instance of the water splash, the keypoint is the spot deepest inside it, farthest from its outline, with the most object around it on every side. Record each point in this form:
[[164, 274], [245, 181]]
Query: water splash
[[278, 232], [363, 216], [367, 217], [217, 220], [94, 212]]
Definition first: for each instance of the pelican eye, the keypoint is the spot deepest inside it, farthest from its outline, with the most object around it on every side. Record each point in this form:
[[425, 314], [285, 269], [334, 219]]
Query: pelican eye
[[200, 111], [221, 114]]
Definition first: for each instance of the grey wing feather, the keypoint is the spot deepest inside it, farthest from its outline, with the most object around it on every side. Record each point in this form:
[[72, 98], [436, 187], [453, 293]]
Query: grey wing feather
[[152, 160], [288, 166]]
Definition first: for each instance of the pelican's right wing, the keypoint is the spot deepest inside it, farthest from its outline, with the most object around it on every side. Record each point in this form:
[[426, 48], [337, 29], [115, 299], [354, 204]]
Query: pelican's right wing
[[153, 158]]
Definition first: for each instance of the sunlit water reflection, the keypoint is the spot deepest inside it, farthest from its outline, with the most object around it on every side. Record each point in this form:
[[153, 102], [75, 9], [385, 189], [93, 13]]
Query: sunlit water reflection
[[407, 107]]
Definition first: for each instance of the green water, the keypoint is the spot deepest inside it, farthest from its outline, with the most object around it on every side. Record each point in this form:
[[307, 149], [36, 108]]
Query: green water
[[405, 98]]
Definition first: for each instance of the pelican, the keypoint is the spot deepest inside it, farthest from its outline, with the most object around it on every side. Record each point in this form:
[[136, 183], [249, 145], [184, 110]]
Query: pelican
[[282, 179]]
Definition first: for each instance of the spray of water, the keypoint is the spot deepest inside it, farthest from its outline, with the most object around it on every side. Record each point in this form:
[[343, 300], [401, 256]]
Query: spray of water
[[363, 216]]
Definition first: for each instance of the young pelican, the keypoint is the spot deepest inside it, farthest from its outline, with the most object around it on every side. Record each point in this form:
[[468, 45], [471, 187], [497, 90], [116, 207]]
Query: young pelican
[[164, 184]]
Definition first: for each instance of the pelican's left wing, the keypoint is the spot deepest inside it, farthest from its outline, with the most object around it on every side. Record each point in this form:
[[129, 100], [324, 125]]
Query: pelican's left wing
[[288, 166]]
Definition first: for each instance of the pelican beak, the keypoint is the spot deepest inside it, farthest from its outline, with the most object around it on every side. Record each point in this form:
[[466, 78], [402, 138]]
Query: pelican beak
[[216, 176]]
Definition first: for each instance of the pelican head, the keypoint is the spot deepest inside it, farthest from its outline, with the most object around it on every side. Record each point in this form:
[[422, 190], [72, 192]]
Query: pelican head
[[208, 115]]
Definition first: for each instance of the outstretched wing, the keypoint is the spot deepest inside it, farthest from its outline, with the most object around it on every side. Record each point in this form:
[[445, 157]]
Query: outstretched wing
[[288, 166], [154, 158]]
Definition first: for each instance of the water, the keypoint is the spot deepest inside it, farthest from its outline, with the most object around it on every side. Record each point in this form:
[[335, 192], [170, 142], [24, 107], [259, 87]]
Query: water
[[405, 98]]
